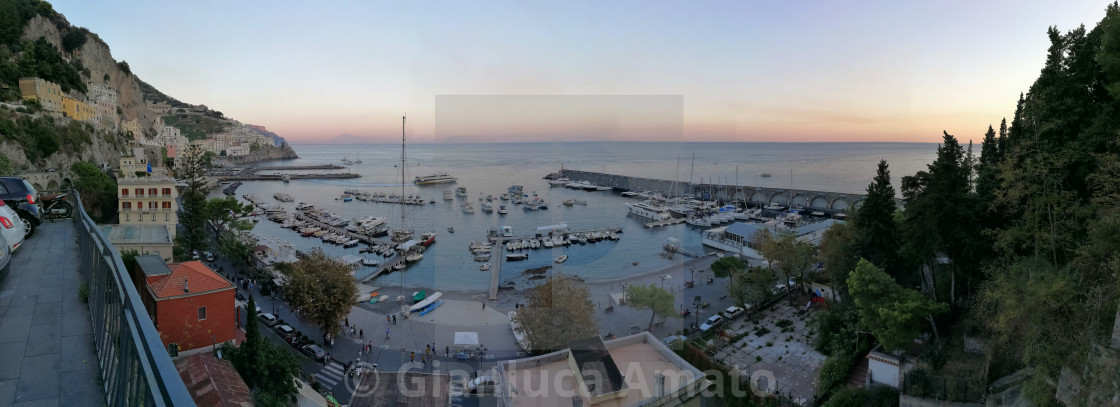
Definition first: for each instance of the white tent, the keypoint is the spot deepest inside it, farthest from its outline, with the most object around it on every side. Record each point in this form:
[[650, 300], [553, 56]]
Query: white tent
[[467, 340]]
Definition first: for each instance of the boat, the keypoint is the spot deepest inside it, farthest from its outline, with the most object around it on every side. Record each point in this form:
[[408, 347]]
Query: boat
[[516, 257], [817, 213], [419, 295], [773, 206], [562, 258], [502, 210], [351, 243], [504, 197], [506, 231], [650, 210], [484, 267], [765, 175], [430, 308], [284, 177], [699, 221], [282, 197], [423, 302], [447, 196], [461, 192], [402, 234], [451, 230], [302, 206], [559, 182], [487, 207], [547, 243], [414, 257], [437, 178], [370, 263], [347, 198], [569, 202], [428, 238], [399, 266], [357, 160], [467, 208]]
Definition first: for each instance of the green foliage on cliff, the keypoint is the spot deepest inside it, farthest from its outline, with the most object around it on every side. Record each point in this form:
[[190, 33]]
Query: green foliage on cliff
[[42, 59], [195, 126]]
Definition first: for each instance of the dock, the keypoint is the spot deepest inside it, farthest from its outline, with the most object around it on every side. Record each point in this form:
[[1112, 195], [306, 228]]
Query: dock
[[277, 177], [498, 248], [298, 167], [662, 223]]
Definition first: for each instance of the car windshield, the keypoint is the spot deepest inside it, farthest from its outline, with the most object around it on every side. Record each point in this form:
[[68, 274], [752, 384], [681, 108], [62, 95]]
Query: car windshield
[[713, 319]]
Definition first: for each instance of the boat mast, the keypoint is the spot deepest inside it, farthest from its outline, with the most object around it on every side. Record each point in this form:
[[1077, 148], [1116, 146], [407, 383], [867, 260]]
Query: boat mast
[[402, 209], [676, 175], [691, 169]]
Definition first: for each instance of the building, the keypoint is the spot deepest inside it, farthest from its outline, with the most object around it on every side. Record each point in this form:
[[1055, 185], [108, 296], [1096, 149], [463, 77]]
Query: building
[[637, 370], [887, 368], [238, 149], [213, 382], [161, 108], [103, 98], [738, 237], [149, 200], [132, 126], [78, 110], [49, 94], [191, 305], [144, 239]]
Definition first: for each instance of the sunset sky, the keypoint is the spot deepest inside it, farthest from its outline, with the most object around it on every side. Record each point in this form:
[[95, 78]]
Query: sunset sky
[[664, 70]]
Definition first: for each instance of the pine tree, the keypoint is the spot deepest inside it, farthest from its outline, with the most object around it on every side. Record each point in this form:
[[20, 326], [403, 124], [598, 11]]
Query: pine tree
[[192, 216], [875, 228]]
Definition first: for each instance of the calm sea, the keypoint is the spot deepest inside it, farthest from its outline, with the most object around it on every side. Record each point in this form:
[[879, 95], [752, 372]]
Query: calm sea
[[491, 168]]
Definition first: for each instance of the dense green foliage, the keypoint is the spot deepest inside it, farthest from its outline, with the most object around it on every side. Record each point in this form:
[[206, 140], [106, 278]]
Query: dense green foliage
[[192, 206], [268, 369], [5, 165], [42, 59], [98, 190], [195, 126], [321, 290], [838, 253], [42, 137], [895, 315], [833, 375], [657, 300], [74, 39], [874, 222], [877, 396], [558, 312]]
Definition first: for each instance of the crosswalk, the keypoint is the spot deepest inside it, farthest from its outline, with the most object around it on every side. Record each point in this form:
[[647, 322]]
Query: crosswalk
[[331, 374]]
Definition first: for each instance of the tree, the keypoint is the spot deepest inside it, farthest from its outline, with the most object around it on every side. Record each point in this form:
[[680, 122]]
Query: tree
[[268, 369], [558, 312], [874, 228], [895, 315], [793, 257], [5, 166], [74, 39], [747, 287], [98, 191], [838, 253], [192, 216], [237, 246], [727, 266], [226, 213], [653, 298], [321, 290]]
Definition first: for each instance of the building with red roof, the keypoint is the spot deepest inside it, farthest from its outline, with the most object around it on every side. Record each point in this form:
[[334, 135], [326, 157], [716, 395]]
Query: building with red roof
[[191, 305], [213, 382]]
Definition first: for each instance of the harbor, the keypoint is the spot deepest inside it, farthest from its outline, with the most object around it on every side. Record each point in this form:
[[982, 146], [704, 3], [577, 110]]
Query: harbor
[[499, 239]]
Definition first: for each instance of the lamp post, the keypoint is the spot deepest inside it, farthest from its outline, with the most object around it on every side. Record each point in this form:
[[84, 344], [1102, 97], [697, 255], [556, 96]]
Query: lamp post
[[696, 304]]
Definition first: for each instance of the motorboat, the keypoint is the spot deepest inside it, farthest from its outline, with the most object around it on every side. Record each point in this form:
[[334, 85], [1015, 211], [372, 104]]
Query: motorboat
[[482, 257], [649, 210], [399, 266], [562, 258], [502, 210], [569, 202], [518, 256], [284, 177], [447, 196], [467, 208], [437, 178], [547, 243], [303, 206], [774, 206], [282, 197], [414, 257], [506, 231], [461, 192], [817, 213], [484, 267], [559, 182], [370, 263], [451, 230], [401, 235], [427, 238], [504, 197], [487, 207]]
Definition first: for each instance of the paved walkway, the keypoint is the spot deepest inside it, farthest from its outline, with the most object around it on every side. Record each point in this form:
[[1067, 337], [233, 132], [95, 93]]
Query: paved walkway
[[41, 363]]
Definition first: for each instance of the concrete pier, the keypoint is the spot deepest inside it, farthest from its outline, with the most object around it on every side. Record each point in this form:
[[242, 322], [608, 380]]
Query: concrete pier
[[831, 202]]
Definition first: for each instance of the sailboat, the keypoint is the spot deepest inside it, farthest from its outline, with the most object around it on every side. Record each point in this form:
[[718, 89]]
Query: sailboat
[[401, 235], [357, 160]]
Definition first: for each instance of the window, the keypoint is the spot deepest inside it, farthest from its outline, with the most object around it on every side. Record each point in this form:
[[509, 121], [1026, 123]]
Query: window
[[166, 204], [126, 205], [139, 191], [201, 313], [126, 217], [152, 192], [167, 192], [152, 205], [124, 191]]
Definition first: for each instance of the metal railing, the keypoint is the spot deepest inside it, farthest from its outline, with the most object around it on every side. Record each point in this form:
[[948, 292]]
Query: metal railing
[[135, 368]]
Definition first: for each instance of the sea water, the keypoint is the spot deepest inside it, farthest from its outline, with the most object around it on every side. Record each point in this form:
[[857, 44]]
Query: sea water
[[489, 169]]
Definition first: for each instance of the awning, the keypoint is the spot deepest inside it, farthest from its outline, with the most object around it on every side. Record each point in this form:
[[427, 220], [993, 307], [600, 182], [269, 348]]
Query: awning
[[466, 339]]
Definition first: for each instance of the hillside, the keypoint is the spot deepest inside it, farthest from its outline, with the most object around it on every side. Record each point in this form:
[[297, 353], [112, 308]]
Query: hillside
[[37, 41]]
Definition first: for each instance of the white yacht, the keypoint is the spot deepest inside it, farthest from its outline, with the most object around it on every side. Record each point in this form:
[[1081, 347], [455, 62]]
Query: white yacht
[[467, 208], [487, 207], [561, 259], [649, 210], [559, 182], [437, 178], [502, 210], [461, 192]]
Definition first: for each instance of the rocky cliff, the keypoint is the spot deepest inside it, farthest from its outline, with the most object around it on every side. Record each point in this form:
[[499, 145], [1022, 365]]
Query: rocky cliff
[[266, 153]]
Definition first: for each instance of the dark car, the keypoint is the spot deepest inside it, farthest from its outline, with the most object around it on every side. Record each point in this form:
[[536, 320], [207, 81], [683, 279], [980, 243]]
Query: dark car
[[23, 197], [314, 351]]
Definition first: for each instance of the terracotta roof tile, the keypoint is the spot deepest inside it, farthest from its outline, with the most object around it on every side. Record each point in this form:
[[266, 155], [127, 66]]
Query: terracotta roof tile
[[213, 382], [197, 276]]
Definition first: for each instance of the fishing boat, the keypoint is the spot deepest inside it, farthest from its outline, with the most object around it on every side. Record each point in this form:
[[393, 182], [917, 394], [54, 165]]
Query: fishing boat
[[484, 267], [516, 257], [461, 192], [502, 210], [562, 258], [437, 178]]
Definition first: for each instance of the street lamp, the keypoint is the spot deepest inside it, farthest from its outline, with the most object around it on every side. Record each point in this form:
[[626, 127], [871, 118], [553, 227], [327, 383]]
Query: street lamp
[[696, 303]]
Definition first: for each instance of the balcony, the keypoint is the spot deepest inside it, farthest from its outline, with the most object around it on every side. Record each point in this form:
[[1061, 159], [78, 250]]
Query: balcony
[[56, 349]]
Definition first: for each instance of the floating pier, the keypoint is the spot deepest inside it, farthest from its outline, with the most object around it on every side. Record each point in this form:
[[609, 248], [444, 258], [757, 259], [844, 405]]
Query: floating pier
[[297, 167], [278, 177], [667, 222]]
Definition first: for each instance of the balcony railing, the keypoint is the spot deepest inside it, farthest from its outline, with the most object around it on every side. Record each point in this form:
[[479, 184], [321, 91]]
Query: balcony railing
[[135, 367]]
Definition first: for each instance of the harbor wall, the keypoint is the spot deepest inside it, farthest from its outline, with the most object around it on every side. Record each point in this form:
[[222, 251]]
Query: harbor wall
[[831, 202]]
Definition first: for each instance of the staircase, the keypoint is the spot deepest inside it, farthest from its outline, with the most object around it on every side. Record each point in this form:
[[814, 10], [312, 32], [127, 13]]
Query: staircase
[[858, 377]]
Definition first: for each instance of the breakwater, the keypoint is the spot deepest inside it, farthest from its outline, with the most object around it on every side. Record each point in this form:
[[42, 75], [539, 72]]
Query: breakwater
[[751, 196]]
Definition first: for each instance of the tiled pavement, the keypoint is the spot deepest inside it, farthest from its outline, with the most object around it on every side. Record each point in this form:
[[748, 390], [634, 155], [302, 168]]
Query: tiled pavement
[[46, 346]]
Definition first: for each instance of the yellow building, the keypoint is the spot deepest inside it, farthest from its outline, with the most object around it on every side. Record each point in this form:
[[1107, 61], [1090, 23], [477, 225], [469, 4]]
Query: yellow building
[[148, 200], [78, 110], [49, 94]]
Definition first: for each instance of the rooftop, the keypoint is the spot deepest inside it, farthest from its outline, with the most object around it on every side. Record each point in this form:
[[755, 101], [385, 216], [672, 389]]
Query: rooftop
[[137, 234], [213, 382], [548, 380], [596, 366], [188, 278], [152, 265], [39, 360]]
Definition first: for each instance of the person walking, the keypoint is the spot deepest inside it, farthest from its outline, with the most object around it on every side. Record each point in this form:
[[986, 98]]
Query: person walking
[[412, 358], [394, 319], [386, 333], [388, 319], [447, 351], [361, 334]]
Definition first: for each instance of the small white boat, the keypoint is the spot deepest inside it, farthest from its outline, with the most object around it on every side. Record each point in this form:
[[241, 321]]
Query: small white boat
[[502, 210], [370, 263], [447, 196], [414, 257], [467, 208], [399, 266], [484, 267], [817, 213], [547, 243], [562, 258]]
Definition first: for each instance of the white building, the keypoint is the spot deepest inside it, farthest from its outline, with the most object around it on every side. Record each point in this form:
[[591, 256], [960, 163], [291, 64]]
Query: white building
[[103, 98]]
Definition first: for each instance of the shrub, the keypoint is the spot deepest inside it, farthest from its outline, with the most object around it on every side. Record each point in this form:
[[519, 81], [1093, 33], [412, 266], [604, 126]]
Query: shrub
[[784, 323], [834, 373]]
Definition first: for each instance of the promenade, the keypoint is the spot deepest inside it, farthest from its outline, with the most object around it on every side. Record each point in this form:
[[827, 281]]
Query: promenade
[[46, 347]]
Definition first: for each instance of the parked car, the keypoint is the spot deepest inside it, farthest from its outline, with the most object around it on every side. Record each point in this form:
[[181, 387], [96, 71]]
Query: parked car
[[194, 254], [23, 197], [286, 332], [482, 385], [268, 319], [712, 322], [5, 257], [11, 226], [670, 340], [733, 312], [314, 351]]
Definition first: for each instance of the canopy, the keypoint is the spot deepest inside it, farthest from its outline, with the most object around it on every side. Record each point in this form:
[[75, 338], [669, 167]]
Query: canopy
[[466, 339], [408, 245]]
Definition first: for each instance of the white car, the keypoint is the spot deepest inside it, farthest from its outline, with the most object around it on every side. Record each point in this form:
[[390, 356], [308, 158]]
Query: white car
[[733, 312], [11, 226], [712, 322]]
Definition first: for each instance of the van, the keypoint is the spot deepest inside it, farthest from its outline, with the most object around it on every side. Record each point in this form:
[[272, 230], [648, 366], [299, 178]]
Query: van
[[284, 331], [268, 319]]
